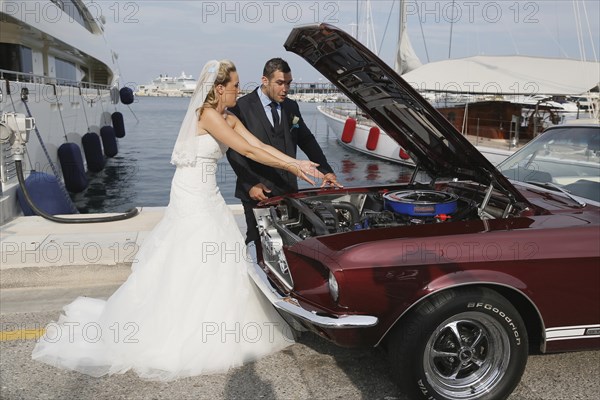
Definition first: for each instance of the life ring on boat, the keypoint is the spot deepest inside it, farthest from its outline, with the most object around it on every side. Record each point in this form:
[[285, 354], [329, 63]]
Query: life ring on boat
[[45, 190], [71, 163], [403, 154], [109, 141], [118, 124], [373, 138], [92, 149], [126, 95], [349, 129]]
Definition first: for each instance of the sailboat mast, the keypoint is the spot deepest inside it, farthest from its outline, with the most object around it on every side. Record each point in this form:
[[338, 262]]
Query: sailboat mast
[[365, 27], [451, 28]]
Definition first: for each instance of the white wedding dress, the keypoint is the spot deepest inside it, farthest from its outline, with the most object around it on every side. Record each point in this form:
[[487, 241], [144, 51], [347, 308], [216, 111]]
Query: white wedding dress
[[188, 307]]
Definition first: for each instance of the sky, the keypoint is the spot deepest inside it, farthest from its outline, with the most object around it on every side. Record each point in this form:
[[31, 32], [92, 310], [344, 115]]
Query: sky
[[155, 37]]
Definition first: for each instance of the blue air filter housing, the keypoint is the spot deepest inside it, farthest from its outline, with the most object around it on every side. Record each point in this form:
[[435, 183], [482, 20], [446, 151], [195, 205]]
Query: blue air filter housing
[[420, 203]]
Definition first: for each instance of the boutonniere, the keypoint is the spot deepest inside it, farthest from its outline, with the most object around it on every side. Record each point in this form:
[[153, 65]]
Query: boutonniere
[[295, 122]]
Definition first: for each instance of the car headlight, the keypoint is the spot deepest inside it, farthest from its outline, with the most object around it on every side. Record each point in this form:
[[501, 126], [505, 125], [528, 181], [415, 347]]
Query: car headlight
[[334, 289]]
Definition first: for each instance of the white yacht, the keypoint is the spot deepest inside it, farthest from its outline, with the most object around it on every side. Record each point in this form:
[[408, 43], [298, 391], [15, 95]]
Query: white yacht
[[170, 86], [55, 69]]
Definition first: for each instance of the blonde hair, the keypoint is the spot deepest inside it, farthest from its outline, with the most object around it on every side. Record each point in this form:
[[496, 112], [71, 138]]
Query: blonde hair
[[226, 67]]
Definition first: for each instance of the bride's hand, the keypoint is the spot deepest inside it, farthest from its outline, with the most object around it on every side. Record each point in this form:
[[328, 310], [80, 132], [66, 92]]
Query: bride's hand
[[310, 168], [296, 169]]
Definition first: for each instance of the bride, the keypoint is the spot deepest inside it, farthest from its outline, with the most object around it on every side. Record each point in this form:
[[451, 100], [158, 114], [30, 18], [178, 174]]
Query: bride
[[188, 307]]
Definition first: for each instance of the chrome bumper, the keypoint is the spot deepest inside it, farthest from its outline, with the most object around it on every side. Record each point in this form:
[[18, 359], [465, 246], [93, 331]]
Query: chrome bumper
[[291, 306]]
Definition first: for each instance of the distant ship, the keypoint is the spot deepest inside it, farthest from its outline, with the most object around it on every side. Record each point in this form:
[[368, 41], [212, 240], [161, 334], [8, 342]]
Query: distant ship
[[169, 86]]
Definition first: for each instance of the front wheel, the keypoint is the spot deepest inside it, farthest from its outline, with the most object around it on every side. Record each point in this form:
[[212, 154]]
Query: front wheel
[[461, 344]]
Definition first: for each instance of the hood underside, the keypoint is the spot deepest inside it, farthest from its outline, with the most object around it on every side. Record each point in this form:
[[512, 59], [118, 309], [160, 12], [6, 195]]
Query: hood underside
[[436, 146]]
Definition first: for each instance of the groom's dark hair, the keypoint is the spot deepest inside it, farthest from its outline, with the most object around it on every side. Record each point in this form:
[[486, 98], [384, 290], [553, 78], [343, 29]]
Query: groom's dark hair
[[276, 64]]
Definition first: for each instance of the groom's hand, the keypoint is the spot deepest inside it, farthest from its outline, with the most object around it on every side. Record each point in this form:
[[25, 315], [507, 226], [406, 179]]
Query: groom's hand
[[259, 192], [331, 180]]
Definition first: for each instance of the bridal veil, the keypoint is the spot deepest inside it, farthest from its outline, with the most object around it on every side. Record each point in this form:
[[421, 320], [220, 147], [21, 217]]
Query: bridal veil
[[186, 146]]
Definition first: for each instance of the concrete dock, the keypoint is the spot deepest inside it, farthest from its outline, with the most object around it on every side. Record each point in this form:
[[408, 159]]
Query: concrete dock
[[35, 252], [47, 265]]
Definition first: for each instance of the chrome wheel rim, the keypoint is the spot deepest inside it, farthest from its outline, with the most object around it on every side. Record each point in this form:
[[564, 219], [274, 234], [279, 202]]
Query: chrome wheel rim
[[466, 356]]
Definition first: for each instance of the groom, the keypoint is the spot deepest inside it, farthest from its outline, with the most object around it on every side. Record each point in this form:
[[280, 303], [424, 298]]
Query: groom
[[275, 120]]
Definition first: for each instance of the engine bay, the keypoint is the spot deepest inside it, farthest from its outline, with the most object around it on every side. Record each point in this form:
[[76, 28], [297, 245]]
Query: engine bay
[[299, 218]]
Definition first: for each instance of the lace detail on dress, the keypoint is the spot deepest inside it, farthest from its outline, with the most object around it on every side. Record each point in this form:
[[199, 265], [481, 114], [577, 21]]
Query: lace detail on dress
[[210, 148], [183, 159], [206, 147]]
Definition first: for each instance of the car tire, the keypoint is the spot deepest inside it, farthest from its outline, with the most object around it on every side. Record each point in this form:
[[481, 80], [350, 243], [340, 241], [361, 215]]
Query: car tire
[[460, 344]]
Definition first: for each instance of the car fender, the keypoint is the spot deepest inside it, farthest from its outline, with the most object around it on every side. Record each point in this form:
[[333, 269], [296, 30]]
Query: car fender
[[504, 286]]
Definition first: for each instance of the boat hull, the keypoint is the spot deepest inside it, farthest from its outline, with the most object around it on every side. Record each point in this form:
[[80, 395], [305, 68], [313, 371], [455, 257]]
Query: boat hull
[[387, 148], [59, 118], [61, 72], [495, 150]]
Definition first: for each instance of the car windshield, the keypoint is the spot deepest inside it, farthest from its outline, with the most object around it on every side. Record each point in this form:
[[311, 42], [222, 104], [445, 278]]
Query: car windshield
[[563, 159]]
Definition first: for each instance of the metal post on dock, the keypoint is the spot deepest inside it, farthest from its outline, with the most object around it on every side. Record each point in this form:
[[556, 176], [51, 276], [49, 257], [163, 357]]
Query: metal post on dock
[[514, 140]]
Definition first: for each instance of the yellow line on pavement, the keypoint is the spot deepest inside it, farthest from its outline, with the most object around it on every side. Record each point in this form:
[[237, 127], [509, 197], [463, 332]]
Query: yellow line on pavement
[[21, 334]]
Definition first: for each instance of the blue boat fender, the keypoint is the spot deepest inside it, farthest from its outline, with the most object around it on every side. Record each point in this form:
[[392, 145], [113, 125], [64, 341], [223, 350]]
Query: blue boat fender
[[71, 163], [92, 149], [126, 94], [109, 141], [44, 190], [118, 124]]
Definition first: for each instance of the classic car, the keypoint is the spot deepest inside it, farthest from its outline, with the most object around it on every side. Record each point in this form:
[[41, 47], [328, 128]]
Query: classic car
[[460, 273]]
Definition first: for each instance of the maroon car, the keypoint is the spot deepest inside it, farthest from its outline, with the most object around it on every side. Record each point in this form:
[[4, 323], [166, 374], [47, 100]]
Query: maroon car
[[460, 273]]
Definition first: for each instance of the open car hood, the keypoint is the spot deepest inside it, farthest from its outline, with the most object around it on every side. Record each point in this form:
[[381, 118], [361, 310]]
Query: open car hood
[[435, 145]]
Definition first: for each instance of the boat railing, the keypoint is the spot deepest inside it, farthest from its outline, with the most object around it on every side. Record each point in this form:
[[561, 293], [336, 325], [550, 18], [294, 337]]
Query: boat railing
[[341, 112], [45, 80], [8, 170]]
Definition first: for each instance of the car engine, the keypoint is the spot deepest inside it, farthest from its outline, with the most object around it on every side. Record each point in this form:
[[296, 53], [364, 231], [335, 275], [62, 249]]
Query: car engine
[[302, 218]]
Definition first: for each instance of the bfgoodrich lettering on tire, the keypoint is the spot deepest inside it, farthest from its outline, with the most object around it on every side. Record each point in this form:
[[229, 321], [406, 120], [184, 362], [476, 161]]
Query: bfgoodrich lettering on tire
[[460, 344]]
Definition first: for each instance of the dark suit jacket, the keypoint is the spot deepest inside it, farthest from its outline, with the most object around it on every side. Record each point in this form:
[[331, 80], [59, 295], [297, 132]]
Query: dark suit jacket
[[250, 111]]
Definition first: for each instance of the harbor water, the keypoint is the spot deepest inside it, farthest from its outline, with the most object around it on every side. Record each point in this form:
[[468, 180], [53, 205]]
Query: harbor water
[[140, 175]]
